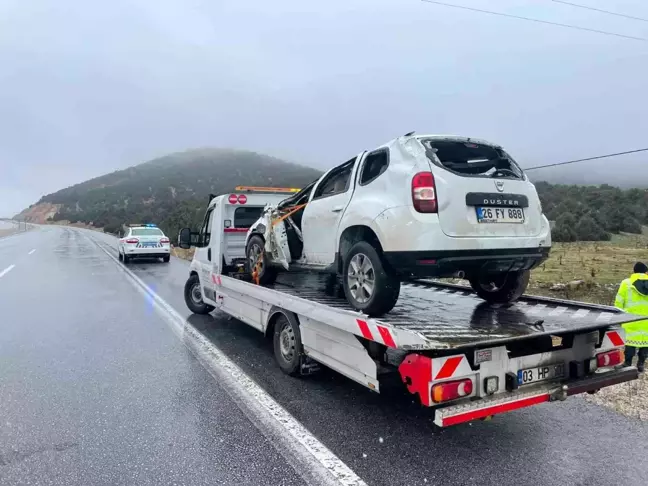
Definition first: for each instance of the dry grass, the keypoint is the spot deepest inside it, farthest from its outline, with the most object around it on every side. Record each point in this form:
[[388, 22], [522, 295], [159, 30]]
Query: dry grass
[[601, 266], [184, 254]]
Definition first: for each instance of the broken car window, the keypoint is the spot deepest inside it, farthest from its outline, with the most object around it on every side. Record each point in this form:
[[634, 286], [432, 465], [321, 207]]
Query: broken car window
[[472, 159]]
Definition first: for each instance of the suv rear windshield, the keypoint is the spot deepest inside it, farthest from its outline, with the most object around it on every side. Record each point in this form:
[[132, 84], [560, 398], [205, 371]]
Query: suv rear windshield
[[472, 159], [146, 232]]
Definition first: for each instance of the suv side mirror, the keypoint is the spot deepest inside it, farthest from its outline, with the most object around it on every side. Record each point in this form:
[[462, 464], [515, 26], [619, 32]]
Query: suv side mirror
[[184, 238]]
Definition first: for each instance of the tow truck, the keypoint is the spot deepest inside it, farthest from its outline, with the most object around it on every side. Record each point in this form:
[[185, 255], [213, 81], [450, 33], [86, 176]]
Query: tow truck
[[463, 357]]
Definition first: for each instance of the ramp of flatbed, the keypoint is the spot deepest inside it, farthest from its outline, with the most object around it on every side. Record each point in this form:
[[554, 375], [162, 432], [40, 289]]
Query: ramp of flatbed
[[454, 316]]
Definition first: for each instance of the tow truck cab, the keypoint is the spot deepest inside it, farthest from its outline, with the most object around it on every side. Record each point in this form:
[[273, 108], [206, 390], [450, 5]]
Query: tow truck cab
[[234, 213]]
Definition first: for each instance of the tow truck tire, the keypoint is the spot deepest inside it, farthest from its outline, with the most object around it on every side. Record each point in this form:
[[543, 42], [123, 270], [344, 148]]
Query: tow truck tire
[[193, 296], [268, 273], [386, 285], [287, 345], [166, 259], [501, 289]]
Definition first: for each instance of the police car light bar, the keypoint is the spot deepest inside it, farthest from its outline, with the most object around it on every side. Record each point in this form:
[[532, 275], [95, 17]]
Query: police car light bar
[[266, 189]]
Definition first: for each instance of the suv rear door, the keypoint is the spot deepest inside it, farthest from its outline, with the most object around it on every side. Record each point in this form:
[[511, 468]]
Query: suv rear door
[[481, 191]]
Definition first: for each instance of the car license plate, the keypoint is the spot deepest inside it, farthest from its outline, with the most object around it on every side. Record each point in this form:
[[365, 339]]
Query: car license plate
[[149, 245], [541, 373], [500, 215]]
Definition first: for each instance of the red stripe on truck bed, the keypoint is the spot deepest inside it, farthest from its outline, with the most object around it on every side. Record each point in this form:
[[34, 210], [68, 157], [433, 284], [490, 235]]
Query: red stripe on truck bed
[[386, 336], [494, 410], [449, 367], [364, 329], [615, 339]]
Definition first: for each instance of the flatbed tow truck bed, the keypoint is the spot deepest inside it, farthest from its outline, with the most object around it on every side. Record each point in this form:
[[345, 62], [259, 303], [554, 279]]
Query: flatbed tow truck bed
[[453, 316], [462, 356]]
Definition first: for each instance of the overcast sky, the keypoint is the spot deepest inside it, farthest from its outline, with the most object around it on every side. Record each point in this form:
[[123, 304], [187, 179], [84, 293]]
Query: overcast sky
[[89, 87]]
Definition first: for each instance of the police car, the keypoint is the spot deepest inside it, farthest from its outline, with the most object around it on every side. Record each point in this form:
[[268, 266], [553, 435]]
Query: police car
[[144, 241]]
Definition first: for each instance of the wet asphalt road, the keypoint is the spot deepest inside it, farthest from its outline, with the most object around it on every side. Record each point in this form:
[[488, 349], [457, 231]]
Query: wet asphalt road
[[94, 389]]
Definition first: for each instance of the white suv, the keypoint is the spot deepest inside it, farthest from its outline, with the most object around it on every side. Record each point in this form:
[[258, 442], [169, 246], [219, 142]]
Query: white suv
[[418, 206]]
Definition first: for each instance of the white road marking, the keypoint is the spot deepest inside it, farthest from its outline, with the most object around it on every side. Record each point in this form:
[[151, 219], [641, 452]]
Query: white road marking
[[6, 270], [32, 251], [311, 459]]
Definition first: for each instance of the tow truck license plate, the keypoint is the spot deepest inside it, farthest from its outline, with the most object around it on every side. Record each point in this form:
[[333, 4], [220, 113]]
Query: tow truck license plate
[[541, 373], [499, 215]]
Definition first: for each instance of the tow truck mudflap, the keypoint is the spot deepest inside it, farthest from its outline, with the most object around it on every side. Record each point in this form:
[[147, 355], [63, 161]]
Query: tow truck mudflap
[[487, 407]]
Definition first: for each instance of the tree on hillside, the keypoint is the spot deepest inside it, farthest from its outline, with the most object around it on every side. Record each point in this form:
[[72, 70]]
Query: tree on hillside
[[587, 229], [564, 229]]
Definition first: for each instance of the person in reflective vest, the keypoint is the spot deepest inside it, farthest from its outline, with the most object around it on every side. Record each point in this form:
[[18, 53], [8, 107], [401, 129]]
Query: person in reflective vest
[[632, 297]]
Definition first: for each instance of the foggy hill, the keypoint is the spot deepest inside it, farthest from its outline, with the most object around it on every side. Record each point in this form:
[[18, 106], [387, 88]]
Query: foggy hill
[[167, 190]]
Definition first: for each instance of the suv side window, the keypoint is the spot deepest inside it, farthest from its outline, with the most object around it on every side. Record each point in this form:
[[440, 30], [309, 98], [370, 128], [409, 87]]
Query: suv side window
[[337, 182], [205, 231], [374, 164]]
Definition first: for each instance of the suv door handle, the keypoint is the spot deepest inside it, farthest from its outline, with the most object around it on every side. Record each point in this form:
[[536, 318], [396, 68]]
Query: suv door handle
[[337, 209], [209, 254]]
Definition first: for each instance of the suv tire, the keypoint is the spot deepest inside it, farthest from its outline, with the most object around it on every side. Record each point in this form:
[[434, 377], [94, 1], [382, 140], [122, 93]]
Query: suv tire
[[268, 273], [504, 288], [193, 296], [363, 264]]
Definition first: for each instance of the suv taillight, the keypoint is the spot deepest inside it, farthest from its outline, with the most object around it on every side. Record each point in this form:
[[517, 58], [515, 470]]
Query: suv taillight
[[165, 240], [424, 193], [132, 241]]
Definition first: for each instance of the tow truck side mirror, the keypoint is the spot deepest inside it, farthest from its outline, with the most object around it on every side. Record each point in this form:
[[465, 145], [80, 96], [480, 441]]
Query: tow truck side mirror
[[184, 238]]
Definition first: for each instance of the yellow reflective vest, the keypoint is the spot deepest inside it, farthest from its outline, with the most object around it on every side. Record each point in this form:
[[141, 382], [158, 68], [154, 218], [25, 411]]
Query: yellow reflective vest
[[632, 297]]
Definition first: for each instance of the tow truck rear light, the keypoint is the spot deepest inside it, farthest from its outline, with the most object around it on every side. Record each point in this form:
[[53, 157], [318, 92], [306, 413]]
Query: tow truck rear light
[[165, 240], [451, 390], [609, 358], [424, 193], [132, 241], [491, 385]]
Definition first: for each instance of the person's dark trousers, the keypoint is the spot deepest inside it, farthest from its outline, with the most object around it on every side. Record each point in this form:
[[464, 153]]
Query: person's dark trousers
[[641, 358]]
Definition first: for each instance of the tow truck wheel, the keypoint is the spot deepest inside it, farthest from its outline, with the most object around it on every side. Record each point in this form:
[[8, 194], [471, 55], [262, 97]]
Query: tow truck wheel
[[193, 296], [501, 288], [253, 250], [369, 286], [287, 345]]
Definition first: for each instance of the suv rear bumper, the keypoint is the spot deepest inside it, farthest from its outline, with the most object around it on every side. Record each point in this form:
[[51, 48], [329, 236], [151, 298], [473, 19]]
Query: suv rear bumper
[[449, 263]]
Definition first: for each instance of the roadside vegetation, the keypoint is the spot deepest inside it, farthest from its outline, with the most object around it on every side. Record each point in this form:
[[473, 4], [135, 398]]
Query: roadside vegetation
[[590, 271]]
